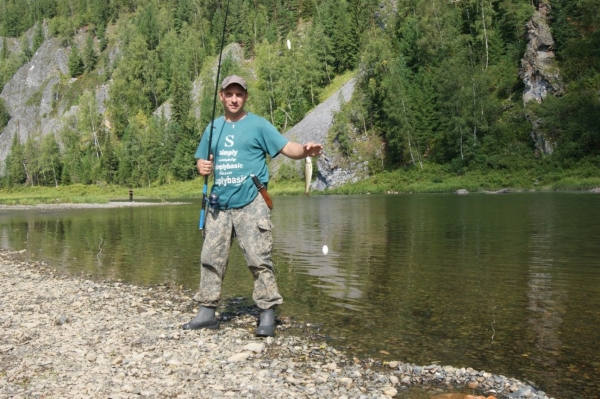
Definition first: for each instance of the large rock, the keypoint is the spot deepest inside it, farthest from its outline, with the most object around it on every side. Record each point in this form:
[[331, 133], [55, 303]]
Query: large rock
[[315, 127], [539, 71]]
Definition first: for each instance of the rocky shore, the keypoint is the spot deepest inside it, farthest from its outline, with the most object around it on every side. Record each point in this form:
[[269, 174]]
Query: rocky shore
[[71, 337]]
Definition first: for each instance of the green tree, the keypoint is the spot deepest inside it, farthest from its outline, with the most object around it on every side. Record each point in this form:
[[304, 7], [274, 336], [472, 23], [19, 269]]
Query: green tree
[[76, 65], [32, 165], [50, 165], [148, 27], [15, 167], [89, 122], [4, 114], [90, 58], [180, 93], [26, 52], [72, 154], [102, 39], [38, 36]]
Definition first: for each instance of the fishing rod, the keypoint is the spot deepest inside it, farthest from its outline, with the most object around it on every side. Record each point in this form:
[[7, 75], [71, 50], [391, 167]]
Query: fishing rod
[[212, 123]]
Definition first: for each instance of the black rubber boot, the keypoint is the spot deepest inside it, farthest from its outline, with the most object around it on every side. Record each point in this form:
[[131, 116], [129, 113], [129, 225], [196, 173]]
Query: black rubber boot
[[266, 327], [204, 319]]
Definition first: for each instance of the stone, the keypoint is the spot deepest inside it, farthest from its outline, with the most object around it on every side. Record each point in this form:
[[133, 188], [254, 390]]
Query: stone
[[239, 357], [90, 357], [254, 347]]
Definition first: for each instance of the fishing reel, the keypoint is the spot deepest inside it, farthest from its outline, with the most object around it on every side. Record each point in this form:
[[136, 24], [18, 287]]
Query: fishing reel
[[213, 200]]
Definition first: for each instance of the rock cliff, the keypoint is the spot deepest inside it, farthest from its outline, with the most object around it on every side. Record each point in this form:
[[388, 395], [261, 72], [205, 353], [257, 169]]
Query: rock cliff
[[32, 98], [29, 96], [539, 71]]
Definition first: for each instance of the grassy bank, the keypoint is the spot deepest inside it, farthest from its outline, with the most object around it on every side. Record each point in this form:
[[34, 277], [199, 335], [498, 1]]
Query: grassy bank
[[432, 179]]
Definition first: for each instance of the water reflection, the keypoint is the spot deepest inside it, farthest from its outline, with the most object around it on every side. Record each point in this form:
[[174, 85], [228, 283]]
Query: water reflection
[[507, 284]]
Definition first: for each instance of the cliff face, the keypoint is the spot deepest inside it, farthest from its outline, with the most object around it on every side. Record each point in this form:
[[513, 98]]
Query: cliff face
[[32, 98], [29, 96], [539, 71]]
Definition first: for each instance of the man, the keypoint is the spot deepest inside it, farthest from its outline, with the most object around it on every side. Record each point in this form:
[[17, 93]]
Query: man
[[240, 142]]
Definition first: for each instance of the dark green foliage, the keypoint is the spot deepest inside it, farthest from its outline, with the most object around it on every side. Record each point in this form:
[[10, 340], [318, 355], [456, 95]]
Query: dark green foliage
[[26, 52], [76, 65], [15, 172], [572, 122], [148, 27], [90, 58], [4, 115], [102, 39], [38, 37]]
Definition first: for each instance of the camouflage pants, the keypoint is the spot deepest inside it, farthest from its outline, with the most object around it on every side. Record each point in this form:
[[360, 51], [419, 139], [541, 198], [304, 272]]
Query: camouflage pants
[[252, 226]]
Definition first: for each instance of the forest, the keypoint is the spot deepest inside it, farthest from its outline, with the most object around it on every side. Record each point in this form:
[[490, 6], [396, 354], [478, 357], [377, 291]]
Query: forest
[[437, 82]]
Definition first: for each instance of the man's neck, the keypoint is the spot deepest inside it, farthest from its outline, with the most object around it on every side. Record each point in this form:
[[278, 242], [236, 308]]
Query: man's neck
[[236, 118]]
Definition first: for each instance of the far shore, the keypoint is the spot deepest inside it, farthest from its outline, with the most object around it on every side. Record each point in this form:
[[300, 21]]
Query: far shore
[[114, 204]]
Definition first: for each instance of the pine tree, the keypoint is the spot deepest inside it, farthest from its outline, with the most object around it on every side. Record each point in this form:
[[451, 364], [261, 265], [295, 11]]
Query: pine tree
[[15, 164], [180, 96], [102, 39], [90, 58], [148, 27], [76, 65]]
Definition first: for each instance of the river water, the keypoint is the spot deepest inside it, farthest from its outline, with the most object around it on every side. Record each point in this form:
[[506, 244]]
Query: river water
[[509, 284]]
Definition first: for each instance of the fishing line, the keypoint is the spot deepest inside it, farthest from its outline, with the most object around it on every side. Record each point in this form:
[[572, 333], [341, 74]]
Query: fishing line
[[212, 122]]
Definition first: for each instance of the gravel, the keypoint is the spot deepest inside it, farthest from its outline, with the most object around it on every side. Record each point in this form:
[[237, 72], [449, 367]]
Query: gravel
[[65, 336]]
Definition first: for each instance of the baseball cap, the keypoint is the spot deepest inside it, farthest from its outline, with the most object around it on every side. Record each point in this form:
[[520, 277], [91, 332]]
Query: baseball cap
[[234, 79]]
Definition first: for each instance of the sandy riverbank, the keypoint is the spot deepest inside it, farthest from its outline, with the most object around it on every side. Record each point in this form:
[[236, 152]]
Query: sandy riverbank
[[69, 337]]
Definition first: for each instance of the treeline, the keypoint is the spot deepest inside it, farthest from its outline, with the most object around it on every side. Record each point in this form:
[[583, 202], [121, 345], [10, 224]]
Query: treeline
[[437, 81]]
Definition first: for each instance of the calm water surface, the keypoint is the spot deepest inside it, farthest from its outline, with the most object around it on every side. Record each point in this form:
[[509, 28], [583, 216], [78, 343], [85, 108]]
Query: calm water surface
[[508, 284]]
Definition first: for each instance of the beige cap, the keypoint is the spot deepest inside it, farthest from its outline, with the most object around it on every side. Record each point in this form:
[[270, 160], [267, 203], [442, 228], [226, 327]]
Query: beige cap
[[234, 79]]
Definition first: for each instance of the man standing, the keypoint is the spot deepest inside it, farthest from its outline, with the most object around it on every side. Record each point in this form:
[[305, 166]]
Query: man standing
[[240, 142]]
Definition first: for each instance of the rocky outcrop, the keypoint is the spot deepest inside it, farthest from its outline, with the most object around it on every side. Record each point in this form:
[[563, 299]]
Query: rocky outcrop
[[539, 71], [332, 172], [29, 95], [32, 98]]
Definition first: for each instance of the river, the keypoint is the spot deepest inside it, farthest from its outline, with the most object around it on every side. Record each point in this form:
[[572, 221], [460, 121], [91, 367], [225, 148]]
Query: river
[[509, 283]]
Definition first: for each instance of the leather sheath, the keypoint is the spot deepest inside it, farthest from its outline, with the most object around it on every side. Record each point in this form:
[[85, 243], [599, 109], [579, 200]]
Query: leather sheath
[[263, 191]]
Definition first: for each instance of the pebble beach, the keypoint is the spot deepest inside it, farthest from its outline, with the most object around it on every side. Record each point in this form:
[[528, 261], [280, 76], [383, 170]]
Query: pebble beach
[[65, 336]]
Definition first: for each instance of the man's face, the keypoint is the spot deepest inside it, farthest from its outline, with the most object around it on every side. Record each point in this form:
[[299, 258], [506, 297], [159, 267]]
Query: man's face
[[233, 98]]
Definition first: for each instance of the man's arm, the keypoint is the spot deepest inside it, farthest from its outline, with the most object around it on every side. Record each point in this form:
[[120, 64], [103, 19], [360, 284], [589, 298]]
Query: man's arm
[[298, 151]]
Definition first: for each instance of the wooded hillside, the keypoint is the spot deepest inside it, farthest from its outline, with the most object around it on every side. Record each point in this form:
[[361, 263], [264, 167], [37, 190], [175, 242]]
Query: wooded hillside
[[438, 81]]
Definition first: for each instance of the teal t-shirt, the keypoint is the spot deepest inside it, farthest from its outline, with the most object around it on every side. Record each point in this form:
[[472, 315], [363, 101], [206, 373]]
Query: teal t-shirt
[[239, 150]]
